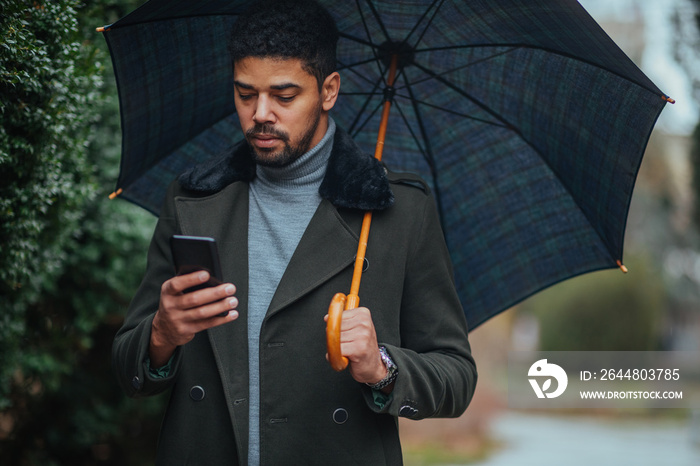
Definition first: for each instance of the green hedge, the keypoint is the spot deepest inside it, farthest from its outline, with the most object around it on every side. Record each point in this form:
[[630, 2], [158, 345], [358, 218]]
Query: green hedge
[[70, 260], [48, 87]]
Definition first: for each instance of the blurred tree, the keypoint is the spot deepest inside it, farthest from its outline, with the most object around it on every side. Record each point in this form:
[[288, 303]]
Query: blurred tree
[[602, 311], [687, 53], [69, 259], [695, 166]]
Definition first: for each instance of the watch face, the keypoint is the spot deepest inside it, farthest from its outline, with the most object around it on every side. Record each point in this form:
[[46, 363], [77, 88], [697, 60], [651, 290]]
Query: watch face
[[389, 363], [386, 358]]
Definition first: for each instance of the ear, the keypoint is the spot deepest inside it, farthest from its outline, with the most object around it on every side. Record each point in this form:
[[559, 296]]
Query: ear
[[330, 90]]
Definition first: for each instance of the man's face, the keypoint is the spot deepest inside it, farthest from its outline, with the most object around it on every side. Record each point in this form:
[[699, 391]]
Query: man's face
[[281, 110]]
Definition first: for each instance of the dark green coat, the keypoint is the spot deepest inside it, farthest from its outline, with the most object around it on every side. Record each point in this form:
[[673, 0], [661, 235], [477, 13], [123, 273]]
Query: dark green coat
[[408, 287]]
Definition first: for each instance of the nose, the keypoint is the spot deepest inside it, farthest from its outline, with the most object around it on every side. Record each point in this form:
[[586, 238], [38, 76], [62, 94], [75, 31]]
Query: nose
[[263, 111]]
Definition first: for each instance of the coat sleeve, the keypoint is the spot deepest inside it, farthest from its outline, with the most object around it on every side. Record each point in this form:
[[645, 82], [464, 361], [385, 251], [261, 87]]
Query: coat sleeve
[[130, 347], [437, 374]]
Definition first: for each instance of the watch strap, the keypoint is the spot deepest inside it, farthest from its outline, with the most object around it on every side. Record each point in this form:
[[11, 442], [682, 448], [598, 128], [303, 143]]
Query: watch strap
[[391, 370]]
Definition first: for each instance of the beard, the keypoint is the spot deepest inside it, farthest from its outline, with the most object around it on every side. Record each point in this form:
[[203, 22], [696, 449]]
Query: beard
[[289, 152]]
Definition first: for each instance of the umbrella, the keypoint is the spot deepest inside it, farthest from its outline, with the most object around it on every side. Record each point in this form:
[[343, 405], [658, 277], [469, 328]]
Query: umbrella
[[526, 120]]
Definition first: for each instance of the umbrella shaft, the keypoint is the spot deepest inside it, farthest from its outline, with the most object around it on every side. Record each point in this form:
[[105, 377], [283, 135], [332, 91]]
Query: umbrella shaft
[[379, 149], [353, 298], [359, 261]]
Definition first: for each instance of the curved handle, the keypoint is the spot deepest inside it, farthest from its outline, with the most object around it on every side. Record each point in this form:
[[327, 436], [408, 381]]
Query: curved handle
[[339, 303], [335, 314]]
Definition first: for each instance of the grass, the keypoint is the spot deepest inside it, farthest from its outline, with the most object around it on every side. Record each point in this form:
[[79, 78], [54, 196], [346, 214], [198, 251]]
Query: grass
[[432, 454]]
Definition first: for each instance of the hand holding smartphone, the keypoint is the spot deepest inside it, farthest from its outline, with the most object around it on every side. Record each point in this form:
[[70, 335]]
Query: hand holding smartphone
[[172, 326]]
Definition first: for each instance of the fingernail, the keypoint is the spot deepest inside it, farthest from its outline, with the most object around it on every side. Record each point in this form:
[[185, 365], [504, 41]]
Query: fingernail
[[233, 302], [233, 314], [203, 277], [230, 289]]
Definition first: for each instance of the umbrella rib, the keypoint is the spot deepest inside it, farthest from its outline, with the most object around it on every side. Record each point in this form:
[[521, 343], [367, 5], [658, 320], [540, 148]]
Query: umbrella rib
[[415, 138], [375, 13], [515, 46], [358, 74], [478, 103], [466, 65], [357, 39], [429, 156], [117, 24], [452, 112], [364, 106], [363, 62], [427, 26], [373, 94], [350, 66], [471, 46], [369, 117], [372, 45]]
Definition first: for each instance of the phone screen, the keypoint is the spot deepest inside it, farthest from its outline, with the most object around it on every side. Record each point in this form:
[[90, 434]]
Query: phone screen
[[194, 253]]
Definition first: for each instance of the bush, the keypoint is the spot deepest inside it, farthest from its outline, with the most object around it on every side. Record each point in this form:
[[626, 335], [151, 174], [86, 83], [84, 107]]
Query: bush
[[48, 85], [70, 260], [602, 311]]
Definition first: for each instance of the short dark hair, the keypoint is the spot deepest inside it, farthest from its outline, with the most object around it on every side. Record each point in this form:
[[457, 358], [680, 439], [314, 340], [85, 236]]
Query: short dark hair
[[300, 29]]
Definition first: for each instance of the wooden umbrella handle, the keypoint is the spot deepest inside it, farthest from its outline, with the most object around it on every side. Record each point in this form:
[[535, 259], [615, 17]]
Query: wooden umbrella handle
[[335, 315]]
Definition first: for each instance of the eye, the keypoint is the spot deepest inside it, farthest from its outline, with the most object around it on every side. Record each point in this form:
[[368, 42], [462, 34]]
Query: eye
[[286, 98], [245, 96]]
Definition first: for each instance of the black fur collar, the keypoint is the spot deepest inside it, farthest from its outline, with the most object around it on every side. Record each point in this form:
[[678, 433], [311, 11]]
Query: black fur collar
[[353, 179]]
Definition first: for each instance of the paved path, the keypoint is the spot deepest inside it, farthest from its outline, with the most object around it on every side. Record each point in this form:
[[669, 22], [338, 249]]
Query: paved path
[[533, 440]]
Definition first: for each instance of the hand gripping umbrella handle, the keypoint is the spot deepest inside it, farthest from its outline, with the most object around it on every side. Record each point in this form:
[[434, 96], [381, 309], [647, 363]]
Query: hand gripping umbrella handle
[[341, 302]]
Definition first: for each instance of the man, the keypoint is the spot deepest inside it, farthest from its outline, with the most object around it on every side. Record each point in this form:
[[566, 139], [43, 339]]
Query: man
[[253, 386]]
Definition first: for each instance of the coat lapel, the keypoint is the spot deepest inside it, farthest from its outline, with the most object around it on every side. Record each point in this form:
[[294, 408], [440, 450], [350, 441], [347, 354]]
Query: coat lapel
[[327, 247], [224, 216]]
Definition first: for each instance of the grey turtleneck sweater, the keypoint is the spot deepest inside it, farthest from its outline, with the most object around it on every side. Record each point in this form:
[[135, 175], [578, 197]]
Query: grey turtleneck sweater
[[282, 202]]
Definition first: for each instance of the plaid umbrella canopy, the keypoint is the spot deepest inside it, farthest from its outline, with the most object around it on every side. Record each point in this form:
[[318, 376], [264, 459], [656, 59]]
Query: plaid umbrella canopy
[[525, 118]]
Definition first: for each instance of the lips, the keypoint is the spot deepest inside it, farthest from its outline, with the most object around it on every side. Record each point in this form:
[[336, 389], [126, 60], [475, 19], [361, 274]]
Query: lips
[[262, 140], [265, 136]]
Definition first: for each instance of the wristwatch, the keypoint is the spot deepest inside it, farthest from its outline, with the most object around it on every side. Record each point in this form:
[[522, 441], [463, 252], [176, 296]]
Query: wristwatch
[[391, 371]]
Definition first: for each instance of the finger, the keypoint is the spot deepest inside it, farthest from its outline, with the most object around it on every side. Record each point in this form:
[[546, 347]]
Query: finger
[[355, 319], [182, 282], [197, 325], [196, 320], [205, 296], [213, 316], [209, 309], [356, 312]]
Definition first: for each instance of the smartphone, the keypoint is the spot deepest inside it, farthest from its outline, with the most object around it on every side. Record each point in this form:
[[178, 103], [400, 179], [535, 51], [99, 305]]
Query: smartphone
[[194, 253]]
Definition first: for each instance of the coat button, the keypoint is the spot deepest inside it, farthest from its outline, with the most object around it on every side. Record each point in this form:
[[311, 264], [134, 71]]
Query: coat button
[[136, 382], [197, 393], [365, 264], [340, 416]]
